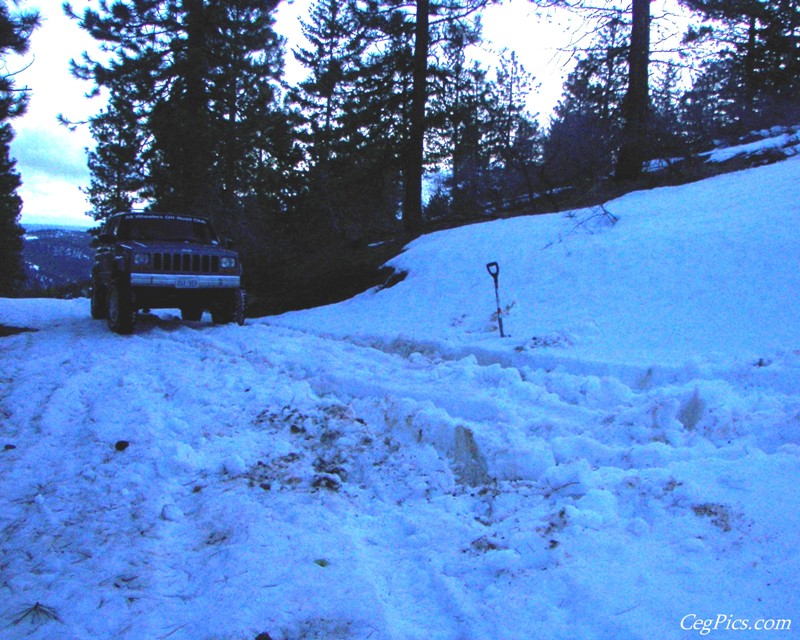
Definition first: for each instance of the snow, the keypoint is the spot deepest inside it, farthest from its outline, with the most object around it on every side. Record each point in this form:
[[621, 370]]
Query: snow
[[779, 139], [625, 465]]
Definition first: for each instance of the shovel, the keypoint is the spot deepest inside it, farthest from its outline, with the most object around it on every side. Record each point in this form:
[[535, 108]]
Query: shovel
[[494, 270]]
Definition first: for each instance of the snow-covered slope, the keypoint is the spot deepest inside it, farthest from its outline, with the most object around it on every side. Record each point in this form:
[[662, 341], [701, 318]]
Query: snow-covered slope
[[702, 272], [625, 465]]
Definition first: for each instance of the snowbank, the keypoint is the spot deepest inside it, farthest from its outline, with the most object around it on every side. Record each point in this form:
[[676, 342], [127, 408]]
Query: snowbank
[[691, 275]]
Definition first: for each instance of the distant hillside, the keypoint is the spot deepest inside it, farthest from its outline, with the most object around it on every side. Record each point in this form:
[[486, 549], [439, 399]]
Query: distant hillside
[[58, 261]]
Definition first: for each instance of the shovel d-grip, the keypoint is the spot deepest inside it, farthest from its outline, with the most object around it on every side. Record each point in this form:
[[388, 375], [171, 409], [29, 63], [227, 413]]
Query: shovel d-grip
[[494, 270]]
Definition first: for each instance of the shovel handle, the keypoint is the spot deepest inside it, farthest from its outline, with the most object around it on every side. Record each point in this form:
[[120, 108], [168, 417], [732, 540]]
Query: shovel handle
[[493, 268]]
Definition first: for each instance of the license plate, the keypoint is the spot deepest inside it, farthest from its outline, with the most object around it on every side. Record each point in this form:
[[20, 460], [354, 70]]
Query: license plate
[[186, 283]]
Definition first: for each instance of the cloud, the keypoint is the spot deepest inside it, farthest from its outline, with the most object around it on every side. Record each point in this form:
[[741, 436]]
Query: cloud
[[52, 164], [51, 159], [49, 200], [51, 151]]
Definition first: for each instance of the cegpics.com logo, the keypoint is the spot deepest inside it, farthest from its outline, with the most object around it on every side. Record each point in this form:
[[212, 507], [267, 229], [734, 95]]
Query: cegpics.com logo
[[724, 622]]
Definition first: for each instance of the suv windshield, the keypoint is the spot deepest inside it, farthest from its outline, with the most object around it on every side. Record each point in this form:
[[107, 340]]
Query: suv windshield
[[170, 228]]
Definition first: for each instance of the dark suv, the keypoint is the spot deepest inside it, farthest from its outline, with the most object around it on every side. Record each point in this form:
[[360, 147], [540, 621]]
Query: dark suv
[[163, 261]]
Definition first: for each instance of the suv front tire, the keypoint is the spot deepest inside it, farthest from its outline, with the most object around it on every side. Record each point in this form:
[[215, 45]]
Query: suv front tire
[[121, 311], [99, 302], [231, 309]]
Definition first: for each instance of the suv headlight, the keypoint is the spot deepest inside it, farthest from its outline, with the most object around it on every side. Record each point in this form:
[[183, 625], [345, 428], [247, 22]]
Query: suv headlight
[[141, 259], [227, 262]]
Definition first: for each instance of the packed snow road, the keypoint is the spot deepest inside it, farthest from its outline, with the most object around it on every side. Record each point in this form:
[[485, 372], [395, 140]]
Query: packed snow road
[[203, 482]]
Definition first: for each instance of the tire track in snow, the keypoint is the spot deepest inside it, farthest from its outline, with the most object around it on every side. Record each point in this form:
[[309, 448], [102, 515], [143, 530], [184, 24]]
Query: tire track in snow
[[99, 389], [410, 581], [166, 524], [466, 388]]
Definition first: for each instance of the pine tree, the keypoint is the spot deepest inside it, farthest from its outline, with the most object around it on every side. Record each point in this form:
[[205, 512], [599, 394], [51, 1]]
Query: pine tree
[[713, 109], [584, 132], [754, 75], [470, 156], [11, 270], [361, 103], [513, 138], [456, 117], [428, 15], [15, 32], [349, 106], [337, 45], [668, 135], [480, 128], [193, 87], [456, 89], [255, 153], [116, 163], [632, 137]]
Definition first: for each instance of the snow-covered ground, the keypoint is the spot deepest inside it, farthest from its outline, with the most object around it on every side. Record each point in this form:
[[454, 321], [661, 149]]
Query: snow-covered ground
[[783, 139], [625, 464]]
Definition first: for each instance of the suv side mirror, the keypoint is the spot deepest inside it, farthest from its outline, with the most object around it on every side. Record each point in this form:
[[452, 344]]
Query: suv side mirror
[[103, 238]]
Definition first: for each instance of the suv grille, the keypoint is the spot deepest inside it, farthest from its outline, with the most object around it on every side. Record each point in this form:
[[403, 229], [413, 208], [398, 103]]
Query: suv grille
[[185, 263]]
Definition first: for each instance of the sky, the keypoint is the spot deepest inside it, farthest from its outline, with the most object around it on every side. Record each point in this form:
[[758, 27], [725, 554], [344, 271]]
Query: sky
[[52, 159]]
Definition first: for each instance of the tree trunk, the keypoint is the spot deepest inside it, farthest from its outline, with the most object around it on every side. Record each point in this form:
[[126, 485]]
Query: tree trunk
[[412, 204], [637, 99], [196, 144]]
